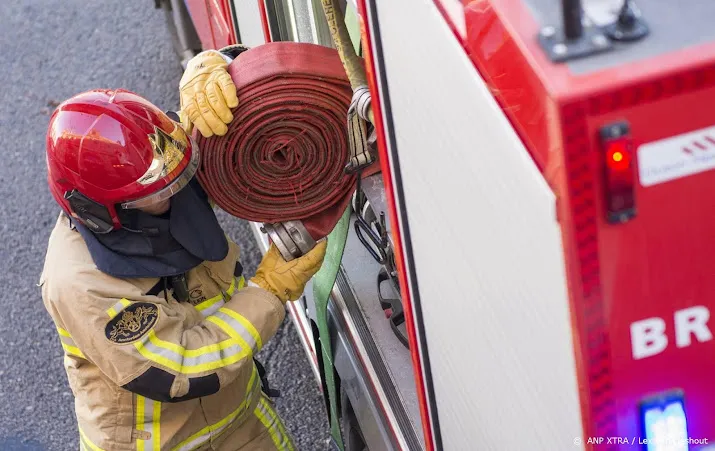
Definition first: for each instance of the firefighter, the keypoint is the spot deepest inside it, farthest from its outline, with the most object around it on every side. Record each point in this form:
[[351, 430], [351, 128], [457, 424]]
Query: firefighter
[[157, 321]]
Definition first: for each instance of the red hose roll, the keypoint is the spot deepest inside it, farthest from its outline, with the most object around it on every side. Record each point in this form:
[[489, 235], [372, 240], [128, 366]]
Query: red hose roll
[[284, 153]]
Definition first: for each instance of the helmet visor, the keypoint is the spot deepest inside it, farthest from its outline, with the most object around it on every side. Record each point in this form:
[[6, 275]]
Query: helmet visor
[[166, 158]]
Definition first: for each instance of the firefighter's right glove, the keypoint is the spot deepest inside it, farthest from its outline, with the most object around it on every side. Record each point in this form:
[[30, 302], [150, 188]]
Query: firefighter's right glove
[[207, 94], [287, 280]]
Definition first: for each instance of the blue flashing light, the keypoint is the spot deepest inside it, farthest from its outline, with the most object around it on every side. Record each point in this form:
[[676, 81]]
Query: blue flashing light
[[666, 427]]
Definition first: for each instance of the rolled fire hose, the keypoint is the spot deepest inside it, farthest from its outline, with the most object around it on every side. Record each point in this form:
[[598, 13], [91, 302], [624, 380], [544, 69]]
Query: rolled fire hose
[[282, 160]]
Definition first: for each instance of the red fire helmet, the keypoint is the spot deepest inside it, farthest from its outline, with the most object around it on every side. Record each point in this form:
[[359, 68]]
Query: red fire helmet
[[110, 149]]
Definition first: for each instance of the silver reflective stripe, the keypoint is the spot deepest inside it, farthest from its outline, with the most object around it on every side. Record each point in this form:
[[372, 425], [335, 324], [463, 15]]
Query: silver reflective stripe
[[68, 341], [68, 344], [118, 307], [213, 309], [163, 353], [252, 390], [186, 364], [85, 443], [216, 429], [194, 443], [238, 327], [148, 419], [213, 356], [286, 442], [270, 420]]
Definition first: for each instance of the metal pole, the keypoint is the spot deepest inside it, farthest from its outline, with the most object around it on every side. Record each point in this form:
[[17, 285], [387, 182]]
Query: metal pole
[[571, 9]]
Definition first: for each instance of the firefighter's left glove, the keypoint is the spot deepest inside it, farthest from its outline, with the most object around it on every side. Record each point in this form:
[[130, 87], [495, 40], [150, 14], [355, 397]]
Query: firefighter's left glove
[[287, 280], [207, 94]]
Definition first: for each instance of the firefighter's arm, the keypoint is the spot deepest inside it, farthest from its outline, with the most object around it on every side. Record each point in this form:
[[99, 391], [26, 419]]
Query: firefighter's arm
[[165, 351], [207, 92], [168, 351]]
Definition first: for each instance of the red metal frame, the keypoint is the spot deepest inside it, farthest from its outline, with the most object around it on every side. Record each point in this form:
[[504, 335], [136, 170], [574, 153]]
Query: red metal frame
[[201, 18], [264, 20], [203, 13], [617, 274], [445, 16], [405, 288], [229, 18], [302, 331]]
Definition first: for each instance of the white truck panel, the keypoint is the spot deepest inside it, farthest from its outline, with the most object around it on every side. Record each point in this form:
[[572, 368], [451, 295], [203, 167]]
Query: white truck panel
[[250, 25], [486, 245]]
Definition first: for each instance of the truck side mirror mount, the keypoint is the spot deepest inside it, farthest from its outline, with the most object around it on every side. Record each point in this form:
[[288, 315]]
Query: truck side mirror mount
[[576, 38], [579, 37], [629, 26]]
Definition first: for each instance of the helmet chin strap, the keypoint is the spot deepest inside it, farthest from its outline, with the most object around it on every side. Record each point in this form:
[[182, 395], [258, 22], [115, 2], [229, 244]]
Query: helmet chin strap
[[132, 230], [149, 232], [93, 215]]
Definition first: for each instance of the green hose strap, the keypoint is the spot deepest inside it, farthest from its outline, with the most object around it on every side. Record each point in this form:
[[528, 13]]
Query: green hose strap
[[323, 284]]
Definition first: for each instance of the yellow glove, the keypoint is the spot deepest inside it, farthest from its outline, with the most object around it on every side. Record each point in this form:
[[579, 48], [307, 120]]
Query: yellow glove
[[287, 279], [207, 94]]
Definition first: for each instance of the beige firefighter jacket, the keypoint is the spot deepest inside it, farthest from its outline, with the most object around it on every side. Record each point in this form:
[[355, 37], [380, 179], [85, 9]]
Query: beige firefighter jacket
[[151, 373]]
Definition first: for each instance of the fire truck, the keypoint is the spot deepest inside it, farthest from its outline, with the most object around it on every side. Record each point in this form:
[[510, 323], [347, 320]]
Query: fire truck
[[533, 266]]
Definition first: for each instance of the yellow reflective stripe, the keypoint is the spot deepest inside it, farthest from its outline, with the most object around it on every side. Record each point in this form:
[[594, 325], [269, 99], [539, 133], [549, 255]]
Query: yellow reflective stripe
[[178, 349], [116, 308], [73, 350], [87, 442], [139, 422], [148, 418], [202, 436], [156, 426], [191, 361], [263, 417], [211, 305], [63, 332], [209, 348], [229, 331], [211, 301], [271, 422], [278, 423], [241, 283], [68, 343], [189, 352], [243, 326]]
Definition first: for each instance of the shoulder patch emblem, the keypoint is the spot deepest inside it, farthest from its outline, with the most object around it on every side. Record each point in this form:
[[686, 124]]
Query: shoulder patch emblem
[[132, 323]]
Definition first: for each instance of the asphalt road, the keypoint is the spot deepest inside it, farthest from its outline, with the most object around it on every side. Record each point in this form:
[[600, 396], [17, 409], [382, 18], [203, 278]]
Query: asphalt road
[[50, 50]]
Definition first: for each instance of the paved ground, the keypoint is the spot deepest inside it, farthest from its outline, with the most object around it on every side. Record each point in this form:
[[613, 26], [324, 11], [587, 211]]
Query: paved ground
[[52, 49]]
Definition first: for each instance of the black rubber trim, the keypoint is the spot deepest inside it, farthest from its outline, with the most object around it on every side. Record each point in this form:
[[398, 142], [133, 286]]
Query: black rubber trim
[[235, 22], [277, 28], [156, 383], [157, 288], [405, 230], [374, 356]]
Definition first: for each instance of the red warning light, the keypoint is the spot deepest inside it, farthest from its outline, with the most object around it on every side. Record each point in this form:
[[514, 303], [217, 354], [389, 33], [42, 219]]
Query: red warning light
[[618, 156], [619, 181]]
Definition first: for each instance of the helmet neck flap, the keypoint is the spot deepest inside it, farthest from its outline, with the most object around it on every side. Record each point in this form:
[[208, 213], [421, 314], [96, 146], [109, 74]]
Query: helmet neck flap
[[160, 246]]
